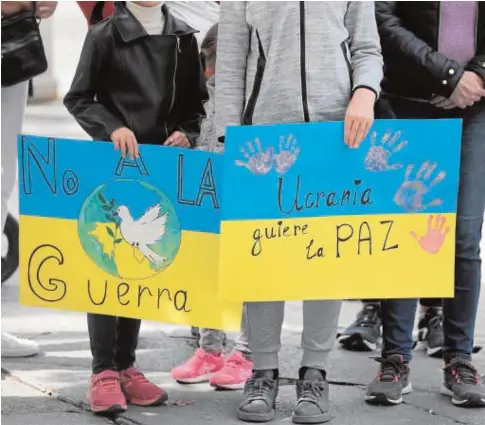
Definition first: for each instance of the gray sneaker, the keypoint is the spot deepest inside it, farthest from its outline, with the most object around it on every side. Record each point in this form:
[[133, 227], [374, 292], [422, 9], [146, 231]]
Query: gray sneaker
[[391, 382], [365, 333], [312, 406], [430, 332], [259, 401], [463, 384]]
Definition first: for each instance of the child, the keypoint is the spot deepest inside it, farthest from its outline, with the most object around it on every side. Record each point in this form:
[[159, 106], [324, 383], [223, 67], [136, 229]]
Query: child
[[139, 80], [209, 363], [295, 62]]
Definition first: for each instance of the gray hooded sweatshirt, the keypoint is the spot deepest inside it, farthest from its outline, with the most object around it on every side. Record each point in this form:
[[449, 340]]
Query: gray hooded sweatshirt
[[284, 62]]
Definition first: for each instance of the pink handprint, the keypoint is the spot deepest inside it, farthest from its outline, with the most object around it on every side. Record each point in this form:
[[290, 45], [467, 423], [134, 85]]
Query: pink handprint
[[287, 154], [435, 235], [259, 162]]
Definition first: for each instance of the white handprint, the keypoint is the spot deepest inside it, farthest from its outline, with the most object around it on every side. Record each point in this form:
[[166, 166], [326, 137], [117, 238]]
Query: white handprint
[[287, 155], [377, 158], [259, 162], [411, 192]]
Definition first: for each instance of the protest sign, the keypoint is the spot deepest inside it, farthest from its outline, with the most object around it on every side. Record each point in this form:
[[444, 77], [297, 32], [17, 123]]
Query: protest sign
[[133, 238], [306, 217]]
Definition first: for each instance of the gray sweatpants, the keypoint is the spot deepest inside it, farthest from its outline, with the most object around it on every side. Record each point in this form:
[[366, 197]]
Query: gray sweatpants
[[211, 340], [13, 107], [265, 320]]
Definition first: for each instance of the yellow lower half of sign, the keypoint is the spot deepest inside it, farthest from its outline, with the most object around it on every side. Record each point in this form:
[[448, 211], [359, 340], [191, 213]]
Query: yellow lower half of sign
[[56, 272], [345, 257]]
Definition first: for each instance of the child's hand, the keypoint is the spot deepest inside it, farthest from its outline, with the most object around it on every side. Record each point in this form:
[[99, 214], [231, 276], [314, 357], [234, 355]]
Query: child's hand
[[125, 139], [359, 117], [178, 139]]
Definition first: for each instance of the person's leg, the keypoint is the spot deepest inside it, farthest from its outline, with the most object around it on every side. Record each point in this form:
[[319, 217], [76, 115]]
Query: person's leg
[[265, 320], [238, 366], [320, 323], [461, 379], [392, 379], [364, 334], [207, 360], [102, 337], [127, 331], [105, 394], [13, 107], [430, 326], [137, 389]]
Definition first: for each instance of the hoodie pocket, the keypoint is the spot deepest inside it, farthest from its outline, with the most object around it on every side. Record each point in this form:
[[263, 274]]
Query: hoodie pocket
[[345, 53], [247, 117]]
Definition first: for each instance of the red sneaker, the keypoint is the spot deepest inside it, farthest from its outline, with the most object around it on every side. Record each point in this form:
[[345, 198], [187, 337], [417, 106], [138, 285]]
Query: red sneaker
[[105, 393], [199, 368], [234, 374], [139, 390]]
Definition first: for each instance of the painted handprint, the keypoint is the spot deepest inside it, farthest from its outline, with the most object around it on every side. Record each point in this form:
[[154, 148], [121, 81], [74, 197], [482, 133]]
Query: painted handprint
[[259, 162], [377, 158], [411, 193], [288, 152], [435, 235]]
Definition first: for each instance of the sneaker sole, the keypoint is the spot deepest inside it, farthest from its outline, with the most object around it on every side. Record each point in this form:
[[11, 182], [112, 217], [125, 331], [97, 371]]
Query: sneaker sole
[[470, 402], [229, 387], [435, 352], [197, 380], [310, 419], [146, 403], [383, 400], [115, 408], [355, 342], [255, 417]]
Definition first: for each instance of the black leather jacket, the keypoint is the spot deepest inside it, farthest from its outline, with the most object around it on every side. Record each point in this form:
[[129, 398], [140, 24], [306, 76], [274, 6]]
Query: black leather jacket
[[153, 85], [409, 37]]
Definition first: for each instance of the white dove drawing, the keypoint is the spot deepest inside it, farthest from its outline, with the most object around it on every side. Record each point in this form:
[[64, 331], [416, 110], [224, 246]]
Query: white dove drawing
[[145, 231]]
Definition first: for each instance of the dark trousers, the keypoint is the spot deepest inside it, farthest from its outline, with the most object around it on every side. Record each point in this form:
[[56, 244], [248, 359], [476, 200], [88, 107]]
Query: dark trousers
[[459, 313], [425, 302], [113, 341]]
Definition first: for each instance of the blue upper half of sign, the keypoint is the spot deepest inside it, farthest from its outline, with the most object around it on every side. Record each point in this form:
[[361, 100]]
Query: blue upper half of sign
[[62, 178], [306, 170]]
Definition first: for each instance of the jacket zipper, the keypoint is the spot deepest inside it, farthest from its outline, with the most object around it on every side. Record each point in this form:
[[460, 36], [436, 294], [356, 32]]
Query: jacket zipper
[[343, 46], [177, 51], [247, 116], [304, 98]]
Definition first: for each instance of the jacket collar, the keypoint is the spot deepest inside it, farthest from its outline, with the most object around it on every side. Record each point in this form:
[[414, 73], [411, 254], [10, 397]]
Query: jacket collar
[[130, 29]]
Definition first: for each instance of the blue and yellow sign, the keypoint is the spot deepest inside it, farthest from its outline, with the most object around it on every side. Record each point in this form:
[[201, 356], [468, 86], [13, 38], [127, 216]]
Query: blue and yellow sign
[[133, 238], [305, 217]]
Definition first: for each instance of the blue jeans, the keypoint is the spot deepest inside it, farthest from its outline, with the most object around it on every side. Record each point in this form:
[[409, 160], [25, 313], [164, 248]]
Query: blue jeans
[[459, 313]]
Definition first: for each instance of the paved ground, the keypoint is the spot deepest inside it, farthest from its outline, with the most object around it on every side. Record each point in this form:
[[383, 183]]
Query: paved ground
[[50, 389]]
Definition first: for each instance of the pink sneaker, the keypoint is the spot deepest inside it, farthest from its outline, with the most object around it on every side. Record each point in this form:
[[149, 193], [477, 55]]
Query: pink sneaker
[[139, 390], [234, 374], [105, 393], [199, 368]]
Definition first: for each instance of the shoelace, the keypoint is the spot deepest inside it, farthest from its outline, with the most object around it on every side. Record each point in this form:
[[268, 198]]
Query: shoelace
[[367, 317], [391, 369], [463, 372], [109, 385], [139, 378], [312, 390], [258, 388]]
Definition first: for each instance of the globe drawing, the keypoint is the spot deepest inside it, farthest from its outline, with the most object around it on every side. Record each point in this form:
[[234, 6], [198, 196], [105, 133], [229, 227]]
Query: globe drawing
[[129, 229]]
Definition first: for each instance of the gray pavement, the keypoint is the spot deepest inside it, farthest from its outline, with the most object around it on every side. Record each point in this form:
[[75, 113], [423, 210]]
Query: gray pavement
[[50, 388]]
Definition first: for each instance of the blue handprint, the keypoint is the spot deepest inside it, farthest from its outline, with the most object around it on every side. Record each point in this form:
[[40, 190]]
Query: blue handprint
[[287, 155], [377, 158], [411, 193], [259, 162]]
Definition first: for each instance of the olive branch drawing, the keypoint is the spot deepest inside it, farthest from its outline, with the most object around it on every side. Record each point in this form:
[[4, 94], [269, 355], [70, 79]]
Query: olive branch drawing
[[110, 209]]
